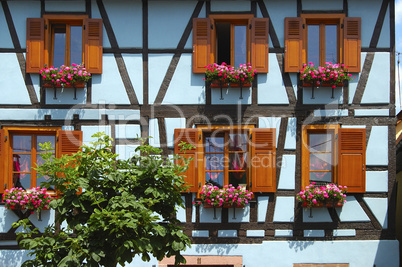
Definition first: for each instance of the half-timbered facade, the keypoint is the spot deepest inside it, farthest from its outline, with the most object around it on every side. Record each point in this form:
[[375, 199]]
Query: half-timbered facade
[[147, 60]]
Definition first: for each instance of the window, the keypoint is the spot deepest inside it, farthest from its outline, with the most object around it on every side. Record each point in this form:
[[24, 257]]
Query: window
[[55, 40], [331, 154], [233, 39], [20, 153], [322, 38], [241, 156]]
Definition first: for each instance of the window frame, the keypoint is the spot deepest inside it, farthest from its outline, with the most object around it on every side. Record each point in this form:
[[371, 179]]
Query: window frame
[[66, 143]]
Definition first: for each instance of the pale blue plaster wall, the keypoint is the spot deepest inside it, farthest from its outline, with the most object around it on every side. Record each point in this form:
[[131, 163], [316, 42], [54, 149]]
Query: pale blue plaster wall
[[171, 124], [7, 217], [290, 141], [322, 95], [371, 112], [13, 258], [65, 6], [20, 11], [89, 130], [283, 233], [284, 209], [168, 18], [135, 71], [377, 181], [237, 215], [193, 210], [287, 175], [255, 233], [96, 15], [185, 87], [369, 14], [277, 15], [227, 233], [108, 88], [314, 233], [5, 37], [66, 96], [208, 215], [316, 215], [127, 131], [125, 151], [377, 88], [271, 89], [157, 67], [379, 207], [181, 212], [154, 133], [270, 122], [330, 113], [231, 96], [219, 5], [262, 208], [12, 85], [322, 5], [351, 211], [377, 147], [131, 16], [200, 233]]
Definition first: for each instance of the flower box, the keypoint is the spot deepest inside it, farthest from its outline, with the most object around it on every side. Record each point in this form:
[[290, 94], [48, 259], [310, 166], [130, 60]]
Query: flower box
[[331, 195], [321, 84], [218, 84], [35, 198], [332, 75], [333, 204], [307, 205], [78, 84], [228, 196], [240, 85]]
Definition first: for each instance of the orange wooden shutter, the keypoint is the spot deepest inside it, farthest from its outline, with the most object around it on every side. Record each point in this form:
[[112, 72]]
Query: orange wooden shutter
[[260, 44], [194, 137], [352, 159], [352, 43], [3, 178], [262, 160], [293, 44], [35, 51], [201, 44], [93, 40], [69, 142]]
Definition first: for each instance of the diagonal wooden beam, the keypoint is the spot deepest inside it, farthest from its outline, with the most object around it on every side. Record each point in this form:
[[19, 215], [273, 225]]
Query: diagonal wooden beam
[[361, 85]]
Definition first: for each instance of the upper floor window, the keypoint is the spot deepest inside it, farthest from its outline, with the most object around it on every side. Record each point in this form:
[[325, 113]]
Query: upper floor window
[[233, 39], [56, 40], [320, 38], [20, 153], [240, 156], [331, 154]]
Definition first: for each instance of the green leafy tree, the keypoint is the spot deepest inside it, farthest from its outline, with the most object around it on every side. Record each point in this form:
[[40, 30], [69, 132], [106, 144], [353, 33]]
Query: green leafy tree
[[109, 210]]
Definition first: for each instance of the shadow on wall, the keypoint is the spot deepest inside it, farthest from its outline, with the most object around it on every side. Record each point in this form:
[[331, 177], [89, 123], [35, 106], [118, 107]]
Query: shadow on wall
[[387, 251], [220, 249], [13, 258], [299, 246]]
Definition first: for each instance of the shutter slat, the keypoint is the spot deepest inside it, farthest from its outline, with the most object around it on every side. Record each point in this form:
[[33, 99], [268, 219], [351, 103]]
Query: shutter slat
[[352, 159], [35, 43], [194, 137], [293, 44], [69, 142], [352, 44], [93, 41], [263, 160], [3, 176], [260, 44], [201, 44]]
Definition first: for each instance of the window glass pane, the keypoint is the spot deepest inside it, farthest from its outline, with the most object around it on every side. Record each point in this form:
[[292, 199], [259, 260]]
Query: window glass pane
[[214, 162], [214, 144], [240, 45], [313, 44], [22, 180], [238, 179], [331, 41], [40, 179], [41, 139], [214, 178], [76, 45], [320, 142], [238, 161], [321, 177], [320, 161], [22, 144], [223, 42], [21, 163], [237, 142], [59, 46]]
